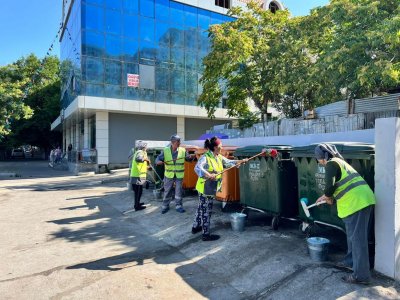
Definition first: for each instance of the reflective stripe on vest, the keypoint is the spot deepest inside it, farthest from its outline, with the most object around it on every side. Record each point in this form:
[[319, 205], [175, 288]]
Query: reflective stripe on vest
[[352, 192], [177, 167], [139, 169], [214, 166]]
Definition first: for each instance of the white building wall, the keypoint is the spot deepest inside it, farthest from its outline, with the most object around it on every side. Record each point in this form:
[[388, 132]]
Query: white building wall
[[102, 140], [387, 191]]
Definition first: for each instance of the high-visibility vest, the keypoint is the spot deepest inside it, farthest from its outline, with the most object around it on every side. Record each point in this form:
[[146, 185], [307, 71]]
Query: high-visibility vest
[[214, 166], [352, 191], [139, 169], [174, 167]]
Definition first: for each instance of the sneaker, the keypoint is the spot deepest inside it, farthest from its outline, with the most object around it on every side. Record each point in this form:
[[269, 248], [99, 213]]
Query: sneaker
[[180, 210], [210, 237], [140, 207], [164, 210], [352, 279], [196, 229]]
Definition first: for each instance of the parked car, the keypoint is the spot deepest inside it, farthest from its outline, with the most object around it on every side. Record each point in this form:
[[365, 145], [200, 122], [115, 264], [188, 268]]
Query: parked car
[[17, 153]]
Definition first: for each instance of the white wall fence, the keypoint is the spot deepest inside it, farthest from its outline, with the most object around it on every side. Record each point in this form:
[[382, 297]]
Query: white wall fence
[[325, 124]]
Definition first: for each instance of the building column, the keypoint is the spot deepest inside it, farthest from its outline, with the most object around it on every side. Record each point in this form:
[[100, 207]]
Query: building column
[[387, 191], [86, 133], [102, 137], [77, 135], [180, 127], [67, 134]]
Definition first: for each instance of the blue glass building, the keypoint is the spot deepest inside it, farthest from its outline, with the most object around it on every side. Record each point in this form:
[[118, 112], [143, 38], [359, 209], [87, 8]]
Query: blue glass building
[[159, 42]]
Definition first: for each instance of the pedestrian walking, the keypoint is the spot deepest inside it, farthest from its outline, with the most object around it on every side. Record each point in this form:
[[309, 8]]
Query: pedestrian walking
[[355, 201], [209, 168], [138, 174], [173, 157]]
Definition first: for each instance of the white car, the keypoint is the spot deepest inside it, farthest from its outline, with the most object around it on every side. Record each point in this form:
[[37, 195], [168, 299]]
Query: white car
[[17, 153]]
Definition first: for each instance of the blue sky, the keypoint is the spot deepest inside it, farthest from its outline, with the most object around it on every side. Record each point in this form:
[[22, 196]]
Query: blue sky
[[30, 26]]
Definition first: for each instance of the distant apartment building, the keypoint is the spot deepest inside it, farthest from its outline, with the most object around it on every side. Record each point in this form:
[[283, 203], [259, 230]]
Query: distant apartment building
[[131, 69]]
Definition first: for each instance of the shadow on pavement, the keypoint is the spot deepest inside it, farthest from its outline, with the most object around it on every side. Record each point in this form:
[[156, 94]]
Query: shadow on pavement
[[258, 263]]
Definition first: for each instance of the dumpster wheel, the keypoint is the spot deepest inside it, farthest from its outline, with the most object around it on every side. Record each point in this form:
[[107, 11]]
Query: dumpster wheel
[[275, 223]]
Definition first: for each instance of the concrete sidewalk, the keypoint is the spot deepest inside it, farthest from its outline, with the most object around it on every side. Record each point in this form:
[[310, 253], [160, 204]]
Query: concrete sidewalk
[[74, 242]]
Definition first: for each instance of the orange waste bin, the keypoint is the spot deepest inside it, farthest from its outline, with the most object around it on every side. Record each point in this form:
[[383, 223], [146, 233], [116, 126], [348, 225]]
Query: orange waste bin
[[190, 178], [230, 191]]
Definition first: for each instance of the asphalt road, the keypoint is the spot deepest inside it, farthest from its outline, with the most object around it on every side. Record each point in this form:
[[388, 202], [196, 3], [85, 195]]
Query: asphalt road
[[66, 237]]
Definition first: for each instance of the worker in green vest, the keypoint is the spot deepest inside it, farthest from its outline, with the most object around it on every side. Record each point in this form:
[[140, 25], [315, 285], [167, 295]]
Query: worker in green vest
[[138, 174], [355, 201], [209, 168], [173, 158]]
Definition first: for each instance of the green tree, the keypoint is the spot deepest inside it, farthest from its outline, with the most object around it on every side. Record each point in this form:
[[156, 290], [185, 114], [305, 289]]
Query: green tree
[[240, 65], [356, 45], [41, 80]]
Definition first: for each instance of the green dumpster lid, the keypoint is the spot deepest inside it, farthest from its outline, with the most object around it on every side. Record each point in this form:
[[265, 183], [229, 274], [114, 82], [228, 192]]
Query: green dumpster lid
[[255, 149], [346, 149]]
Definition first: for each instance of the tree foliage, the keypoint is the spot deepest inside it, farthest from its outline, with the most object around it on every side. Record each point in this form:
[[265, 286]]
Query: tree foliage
[[347, 49], [31, 123]]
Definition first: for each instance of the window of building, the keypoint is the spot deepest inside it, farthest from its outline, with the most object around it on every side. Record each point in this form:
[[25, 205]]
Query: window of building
[[223, 3], [273, 7]]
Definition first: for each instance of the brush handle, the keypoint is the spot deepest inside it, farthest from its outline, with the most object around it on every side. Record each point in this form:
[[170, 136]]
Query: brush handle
[[316, 204]]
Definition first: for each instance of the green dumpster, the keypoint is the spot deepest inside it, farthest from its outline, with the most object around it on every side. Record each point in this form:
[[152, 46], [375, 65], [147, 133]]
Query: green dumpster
[[269, 184], [311, 178]]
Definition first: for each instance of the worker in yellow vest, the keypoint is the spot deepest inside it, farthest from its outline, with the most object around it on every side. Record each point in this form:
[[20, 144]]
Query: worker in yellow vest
[[208, 168], [138, 174], [173, 158], [355, 201]]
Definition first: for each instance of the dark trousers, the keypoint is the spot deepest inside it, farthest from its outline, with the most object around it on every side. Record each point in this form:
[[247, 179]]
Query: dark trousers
[[357, 242], [203, 213], [138, 190]]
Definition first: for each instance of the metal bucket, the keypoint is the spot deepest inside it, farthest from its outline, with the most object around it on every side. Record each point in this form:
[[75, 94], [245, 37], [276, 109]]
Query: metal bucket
[[318, 248], [157, 194], [238, 221]]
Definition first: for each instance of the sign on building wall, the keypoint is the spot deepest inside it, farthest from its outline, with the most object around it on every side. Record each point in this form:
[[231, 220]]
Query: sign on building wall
[[133, 80]]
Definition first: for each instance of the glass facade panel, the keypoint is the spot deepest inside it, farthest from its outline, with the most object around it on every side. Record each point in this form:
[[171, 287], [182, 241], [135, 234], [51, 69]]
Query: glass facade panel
[[113, 72], [162, 40], [130, 6], [113, 46], [96, 90], [162, 10], [93, 69], [113, 91], [130, 26], [147, 29], [190, 16], [177, 81], [98, 2], [146, 95], [114, 4], [176, 13], [177, 59], [113, 21], [93, 43], [132, 93], [163, 97], [162, 79], [130, 50], [147, 53], [177, 37], [93, 17], [162, 33], [191, 83], [147, 8], [203, 18]]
